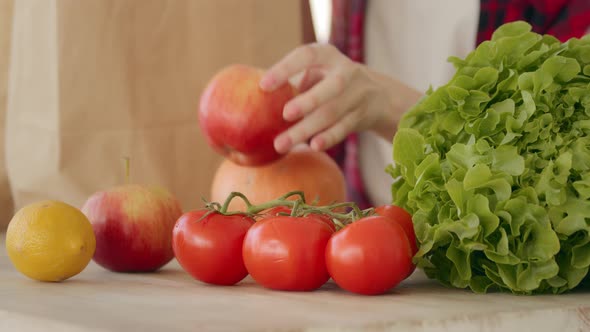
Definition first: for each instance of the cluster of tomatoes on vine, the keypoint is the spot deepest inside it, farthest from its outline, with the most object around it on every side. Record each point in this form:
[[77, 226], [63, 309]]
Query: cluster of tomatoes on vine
[[289, 245]]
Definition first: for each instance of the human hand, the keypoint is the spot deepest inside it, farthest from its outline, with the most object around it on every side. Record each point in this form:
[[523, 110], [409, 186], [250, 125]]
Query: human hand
[[337, 97]]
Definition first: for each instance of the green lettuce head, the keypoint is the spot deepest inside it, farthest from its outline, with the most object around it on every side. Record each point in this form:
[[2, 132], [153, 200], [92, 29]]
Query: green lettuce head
[[495, 166]]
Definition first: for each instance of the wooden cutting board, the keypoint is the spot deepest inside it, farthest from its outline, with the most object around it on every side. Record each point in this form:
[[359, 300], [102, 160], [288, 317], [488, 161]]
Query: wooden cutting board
[[170, 300]]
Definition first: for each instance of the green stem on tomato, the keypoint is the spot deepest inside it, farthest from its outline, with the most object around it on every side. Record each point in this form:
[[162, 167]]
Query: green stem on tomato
[[229, 199], [293, 193], [349, 217], [295, 208], [253, 209], [338, 224], [358, 213], [298, 208], [269, 205], [368, 212], [215, 206]]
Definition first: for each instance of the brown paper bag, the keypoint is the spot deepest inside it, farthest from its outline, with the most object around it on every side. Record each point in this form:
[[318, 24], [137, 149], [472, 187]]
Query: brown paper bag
[[94, 81], [6, 208]]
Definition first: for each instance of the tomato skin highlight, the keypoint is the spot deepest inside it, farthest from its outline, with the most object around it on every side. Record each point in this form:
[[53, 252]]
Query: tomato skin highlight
[[210, 249], [287, 253], [370, 256]]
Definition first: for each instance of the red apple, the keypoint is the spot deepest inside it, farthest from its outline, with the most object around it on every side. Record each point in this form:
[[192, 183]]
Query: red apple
[[133, 226], [240, 120]]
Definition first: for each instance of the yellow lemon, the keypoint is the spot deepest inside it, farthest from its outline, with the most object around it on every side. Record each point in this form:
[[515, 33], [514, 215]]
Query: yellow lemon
[[50, 241]]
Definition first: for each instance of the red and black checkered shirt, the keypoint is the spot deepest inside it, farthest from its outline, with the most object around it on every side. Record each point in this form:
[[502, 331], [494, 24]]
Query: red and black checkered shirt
[[563, 19]]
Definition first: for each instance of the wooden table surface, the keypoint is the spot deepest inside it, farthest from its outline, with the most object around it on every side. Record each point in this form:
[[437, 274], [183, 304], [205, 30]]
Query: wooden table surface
[[170, 300]]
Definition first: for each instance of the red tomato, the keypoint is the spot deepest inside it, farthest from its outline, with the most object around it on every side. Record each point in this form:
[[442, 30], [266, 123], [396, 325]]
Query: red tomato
[[288, 253], [210, 250], [285, 210], [402, 217], [369, 256]]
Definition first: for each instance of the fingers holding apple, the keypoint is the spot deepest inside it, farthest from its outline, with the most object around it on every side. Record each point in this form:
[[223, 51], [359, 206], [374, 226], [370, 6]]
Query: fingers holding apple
[[240, 120]]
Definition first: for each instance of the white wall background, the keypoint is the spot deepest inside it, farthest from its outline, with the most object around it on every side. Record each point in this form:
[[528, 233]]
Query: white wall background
[[321, 14]]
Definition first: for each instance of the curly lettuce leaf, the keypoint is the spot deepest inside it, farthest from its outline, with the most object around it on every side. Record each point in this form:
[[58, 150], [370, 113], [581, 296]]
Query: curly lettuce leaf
[[495, 166]]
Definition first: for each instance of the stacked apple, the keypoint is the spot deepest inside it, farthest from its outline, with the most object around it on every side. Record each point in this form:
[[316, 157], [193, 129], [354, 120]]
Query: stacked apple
[[240, 120]]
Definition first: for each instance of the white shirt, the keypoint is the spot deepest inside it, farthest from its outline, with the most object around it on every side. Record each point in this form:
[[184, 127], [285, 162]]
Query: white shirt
[[411, 41]]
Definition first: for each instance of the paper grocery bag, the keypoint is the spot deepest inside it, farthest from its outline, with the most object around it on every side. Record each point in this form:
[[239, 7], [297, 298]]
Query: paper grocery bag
[[6, 207], [94, 81]]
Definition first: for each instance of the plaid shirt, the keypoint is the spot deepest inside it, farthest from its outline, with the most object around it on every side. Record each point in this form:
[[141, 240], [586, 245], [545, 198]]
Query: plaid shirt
[[563, 19]]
